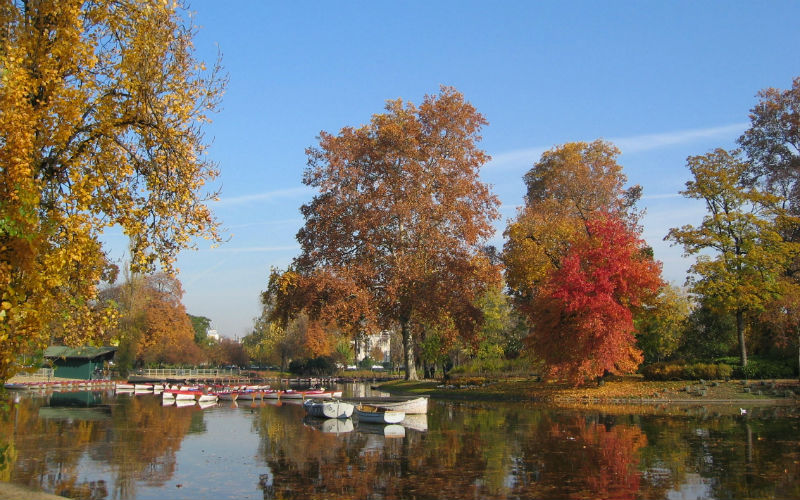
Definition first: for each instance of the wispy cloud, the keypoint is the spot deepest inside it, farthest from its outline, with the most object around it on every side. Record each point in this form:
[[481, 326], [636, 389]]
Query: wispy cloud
[[634, 144], [295, 221], [517, 157], [295, 192], [649, 142], [663, 196], [255, 249]]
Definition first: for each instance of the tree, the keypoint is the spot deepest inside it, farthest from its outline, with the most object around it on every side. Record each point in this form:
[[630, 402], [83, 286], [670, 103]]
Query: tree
[[200, 324], [565, 188], [153, 326], [583, 326], [772, 144], [399, 219], [743, 229], [782, 315], [503, 328], [103, 104], [662, 325]]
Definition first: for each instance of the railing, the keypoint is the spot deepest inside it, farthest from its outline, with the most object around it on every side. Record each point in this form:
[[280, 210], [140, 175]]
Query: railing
[[44, 373], [189, 372]]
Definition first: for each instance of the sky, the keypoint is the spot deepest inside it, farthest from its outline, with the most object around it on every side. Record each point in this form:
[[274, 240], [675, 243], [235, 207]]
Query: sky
[[661, 80]]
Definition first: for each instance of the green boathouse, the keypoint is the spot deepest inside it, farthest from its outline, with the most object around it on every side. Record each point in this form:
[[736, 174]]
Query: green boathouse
[[79, 362]]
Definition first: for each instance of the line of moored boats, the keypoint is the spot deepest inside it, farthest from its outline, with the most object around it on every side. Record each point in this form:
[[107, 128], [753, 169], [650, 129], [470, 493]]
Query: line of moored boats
[[204, 394]]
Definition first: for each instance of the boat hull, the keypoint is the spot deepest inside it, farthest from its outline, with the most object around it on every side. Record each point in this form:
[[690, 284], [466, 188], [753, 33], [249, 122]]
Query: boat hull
[[328, 409], [374, 415]]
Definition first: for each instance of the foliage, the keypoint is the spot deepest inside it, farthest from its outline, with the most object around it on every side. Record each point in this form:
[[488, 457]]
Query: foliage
[[762, 368], [497, 367], [565, 188], [153, 325], [661, 326], [772, 144], [228, 352], [343, 352], [503, 328], [743, 229], [366, 363], [395, 232], [710, 333], [320, 366], [681, 371], [584, 322], [200, 324], [103, 104]]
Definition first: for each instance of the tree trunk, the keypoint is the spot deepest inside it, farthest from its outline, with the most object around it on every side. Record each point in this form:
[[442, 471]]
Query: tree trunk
[[408, 350], [740, 334]]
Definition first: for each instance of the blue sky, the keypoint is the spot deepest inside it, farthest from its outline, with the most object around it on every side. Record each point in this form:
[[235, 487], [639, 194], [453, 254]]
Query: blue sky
[[662, 80]]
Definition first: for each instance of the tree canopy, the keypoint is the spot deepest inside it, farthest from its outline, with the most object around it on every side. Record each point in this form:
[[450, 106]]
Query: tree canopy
[[399, 219], [583, 324], [565, 188], [103, 105]]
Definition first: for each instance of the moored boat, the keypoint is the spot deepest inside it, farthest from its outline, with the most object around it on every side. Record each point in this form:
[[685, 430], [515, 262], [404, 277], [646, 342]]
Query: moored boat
[[180, 395], [228, 395], [311, 393], [375, 415], [328, 409], [250, 395], [409, 406]]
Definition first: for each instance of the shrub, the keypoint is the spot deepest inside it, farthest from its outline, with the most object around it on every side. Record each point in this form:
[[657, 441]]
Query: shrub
[[764, 368], [679, 371]]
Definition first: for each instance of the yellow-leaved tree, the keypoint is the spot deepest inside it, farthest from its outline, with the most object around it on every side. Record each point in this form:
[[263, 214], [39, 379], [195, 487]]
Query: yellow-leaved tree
[[102, 104]]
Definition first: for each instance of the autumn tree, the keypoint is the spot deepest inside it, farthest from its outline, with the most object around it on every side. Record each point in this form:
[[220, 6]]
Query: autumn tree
[[565, 188], [743, 233], [103, 105], [228, 352], [782, 317], [772, 144], [153, 326], [583, 325], [399, 218], [576, 205]]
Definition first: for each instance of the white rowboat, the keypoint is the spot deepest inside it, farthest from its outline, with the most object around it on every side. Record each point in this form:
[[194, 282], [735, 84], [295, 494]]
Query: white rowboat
[[328, 409], [375, 415]]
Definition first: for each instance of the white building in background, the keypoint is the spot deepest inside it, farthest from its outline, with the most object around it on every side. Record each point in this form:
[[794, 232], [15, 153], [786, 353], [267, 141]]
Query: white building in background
[[212, 334], [382, 340]]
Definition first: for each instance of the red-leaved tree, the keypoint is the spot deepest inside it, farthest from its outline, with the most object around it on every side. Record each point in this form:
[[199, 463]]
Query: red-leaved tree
[[583, 325]]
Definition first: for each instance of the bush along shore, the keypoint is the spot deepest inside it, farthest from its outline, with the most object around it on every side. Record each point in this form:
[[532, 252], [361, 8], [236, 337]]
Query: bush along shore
[[611, 390]]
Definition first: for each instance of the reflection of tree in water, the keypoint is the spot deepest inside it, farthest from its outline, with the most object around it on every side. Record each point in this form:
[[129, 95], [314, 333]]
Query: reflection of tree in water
[[740, 456], [138, 441], [494, 454]]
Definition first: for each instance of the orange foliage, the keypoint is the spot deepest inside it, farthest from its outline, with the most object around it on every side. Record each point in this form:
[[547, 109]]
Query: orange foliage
[[394, 233]]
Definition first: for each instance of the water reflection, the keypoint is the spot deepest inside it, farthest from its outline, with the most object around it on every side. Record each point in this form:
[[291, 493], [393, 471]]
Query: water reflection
[[102, 446]]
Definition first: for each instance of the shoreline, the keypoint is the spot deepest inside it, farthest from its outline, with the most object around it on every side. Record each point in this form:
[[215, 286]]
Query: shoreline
[[620, 392], [11, 491]]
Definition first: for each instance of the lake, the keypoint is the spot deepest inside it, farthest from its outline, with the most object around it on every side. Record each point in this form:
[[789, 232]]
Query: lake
[[97, 445]]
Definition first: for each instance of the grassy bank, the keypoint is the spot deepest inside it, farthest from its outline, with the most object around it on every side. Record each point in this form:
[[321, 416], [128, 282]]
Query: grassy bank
[[616, 390]]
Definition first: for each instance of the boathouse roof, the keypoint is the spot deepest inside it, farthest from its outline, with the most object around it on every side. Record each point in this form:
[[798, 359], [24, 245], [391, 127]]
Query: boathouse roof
[[82, 352]]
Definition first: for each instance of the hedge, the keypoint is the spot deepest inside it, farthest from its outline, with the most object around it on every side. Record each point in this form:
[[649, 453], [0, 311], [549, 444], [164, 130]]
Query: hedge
[[680, 371]]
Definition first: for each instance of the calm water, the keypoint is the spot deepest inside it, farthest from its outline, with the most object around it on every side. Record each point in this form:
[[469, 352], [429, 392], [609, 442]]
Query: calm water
[[131, 447]]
